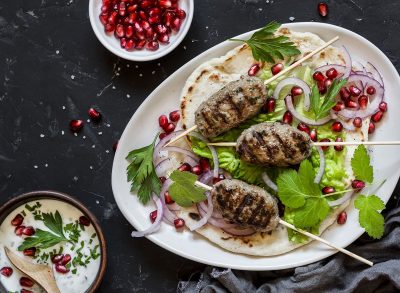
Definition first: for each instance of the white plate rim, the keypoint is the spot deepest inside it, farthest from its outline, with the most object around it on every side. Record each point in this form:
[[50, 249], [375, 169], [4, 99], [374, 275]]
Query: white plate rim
[[153, 238]]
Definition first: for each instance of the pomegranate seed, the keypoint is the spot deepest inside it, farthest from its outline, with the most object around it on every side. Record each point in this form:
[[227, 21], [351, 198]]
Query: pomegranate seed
[[318, 76], [377, 116], [163, 121], [76, 125], [337, 126], [115, 146], [185, 167], [338, 148], [314, 134], [287, 118], [155, 11], [357, 122], [342, 218], [141, 36], [123, 42], [197, 170], [153, 216], [363, 101], [168, 198], [162, 135], [358, 185], [109, 27], [61, 269], [17, 221], [18, 230], [112, 19], [145, 24], [140, 44], [351, 104], [138, 28], [6, 271], [324, 148], [163, 38], [253, 69], [296, 91], [328, 82], [328, 189], [129, 31], [169, 128], [303, 127], [130, 44], [168, 16], [174, 116], [122, 8], [25, 291], [142, 15], [339, 106], [30, 251], [331, 73], [83, 220], [132, 18], [152, 46], [276, 68], [218, 179], [165, 3], [204, 164], [57, 258], [354, 91], [322, 9], [383, 106], [180, 13], [66, 259], [161, 29], [176, 24], [26, 282], [321, 87], [344, 93], [269, 105], [145, 4], [371, 127], [371, 90], [28, 231], [162, 179], [103, 19], [94, 114], [154, 19], [179, 223]]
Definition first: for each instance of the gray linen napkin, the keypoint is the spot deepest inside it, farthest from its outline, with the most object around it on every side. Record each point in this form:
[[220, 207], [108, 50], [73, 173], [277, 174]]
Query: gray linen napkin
[[338, 273]]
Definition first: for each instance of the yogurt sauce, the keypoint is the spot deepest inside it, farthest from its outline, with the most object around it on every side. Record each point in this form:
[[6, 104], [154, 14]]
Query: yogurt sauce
[[85, 251]]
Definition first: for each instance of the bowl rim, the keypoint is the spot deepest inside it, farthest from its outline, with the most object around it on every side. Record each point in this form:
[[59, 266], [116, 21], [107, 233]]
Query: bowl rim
[[126, 54], [9, 206]]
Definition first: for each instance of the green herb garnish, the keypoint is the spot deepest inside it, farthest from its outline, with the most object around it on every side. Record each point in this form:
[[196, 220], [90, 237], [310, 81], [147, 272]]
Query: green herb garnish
[[142, 174], [266, 46], [370, 218], [183, 190], [361, 164], [319, 109]]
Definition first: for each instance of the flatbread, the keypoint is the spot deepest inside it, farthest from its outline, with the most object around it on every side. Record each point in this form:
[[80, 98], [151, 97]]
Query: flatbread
[[212, 76]]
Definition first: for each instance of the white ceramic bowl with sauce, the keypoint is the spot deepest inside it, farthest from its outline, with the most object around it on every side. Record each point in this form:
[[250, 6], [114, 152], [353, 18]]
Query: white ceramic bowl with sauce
[[90, 244], [113, 44]]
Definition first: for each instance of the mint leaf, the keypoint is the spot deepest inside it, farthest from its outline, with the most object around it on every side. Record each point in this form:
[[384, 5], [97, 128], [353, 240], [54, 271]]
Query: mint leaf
[[266, 46], [361, 164], [319, 109], [369, 217], [314, 211], [315, 98], [183, 190]]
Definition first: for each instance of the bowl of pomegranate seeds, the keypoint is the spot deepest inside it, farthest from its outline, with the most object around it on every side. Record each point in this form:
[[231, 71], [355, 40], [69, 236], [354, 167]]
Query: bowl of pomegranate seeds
[[141, 30]]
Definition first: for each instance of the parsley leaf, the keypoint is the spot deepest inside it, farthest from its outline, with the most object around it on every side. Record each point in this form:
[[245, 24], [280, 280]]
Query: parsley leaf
[[319, 109], [183, 190], [370, 219], [312, 213], [141, 172], [265, 46], [361, 164]]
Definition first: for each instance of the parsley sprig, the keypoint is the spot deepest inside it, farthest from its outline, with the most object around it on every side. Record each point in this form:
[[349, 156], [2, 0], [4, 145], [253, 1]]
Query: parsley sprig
[[266, 46], [141, 172], [321, 107]]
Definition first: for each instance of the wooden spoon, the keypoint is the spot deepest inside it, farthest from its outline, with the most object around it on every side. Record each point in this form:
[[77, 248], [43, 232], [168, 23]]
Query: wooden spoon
[[41, 274]]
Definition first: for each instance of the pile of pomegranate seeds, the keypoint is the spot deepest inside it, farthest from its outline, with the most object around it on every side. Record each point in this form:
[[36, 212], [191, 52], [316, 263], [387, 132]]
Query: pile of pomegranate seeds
[[168, 125], [141, 24]]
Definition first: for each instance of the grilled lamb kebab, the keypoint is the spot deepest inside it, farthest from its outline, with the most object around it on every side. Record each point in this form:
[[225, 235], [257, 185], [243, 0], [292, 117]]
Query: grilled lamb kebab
[[273, 144], [246, 205], [236, 102]]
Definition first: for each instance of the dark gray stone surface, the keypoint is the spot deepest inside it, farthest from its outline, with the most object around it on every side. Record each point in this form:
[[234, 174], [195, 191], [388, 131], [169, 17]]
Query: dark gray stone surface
[[52, 69]]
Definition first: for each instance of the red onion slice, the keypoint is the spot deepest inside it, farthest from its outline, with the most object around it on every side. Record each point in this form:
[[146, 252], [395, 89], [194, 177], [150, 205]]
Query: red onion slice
[[347, 60], [216, 214], [206, 177], [213, 152], [217, 222], [241, 232], [157, 149], [269, 182], [168, 215], [321, 169], [375, 74], [341, 200], [164, 166], [157, 223], [297, 82], [289, 104], [189, 154], [206, 217]]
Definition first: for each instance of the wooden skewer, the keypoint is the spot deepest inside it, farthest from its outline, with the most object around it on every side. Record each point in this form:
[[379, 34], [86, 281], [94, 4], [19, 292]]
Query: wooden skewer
[[312, 236], [298, 62], [324, 143], [294, 65]]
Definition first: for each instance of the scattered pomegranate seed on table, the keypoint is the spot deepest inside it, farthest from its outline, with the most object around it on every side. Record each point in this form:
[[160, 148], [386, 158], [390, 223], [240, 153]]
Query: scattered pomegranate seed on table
[[76, 125], [141, 24], [322, 9], [94, 114], [17, 221], [26, 282], [328, 189], [6, 271], [342, 218]]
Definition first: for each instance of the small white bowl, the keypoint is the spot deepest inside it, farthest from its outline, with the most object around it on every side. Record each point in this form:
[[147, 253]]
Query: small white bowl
[[113, 44]]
